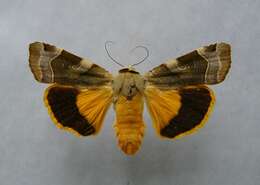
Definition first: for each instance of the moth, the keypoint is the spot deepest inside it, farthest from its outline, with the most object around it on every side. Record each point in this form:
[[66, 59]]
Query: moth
[[175, 92]]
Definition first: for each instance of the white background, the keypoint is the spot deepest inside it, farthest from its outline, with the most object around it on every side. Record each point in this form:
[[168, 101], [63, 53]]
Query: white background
[[34, 152]]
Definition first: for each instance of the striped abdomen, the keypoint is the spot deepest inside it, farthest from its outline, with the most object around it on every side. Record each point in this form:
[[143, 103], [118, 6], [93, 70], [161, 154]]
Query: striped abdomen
[[129, 125]]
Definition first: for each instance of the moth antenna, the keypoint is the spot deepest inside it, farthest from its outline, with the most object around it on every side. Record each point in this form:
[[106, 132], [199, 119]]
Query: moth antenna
[[147, 54], [106, 43]]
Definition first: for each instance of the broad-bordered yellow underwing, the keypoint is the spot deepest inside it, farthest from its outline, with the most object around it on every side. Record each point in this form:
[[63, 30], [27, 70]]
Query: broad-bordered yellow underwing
[[175, 92]]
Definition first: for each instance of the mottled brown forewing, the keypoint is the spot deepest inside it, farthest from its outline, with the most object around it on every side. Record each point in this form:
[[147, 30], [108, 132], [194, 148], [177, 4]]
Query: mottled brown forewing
[[50, 64], [206, 65]]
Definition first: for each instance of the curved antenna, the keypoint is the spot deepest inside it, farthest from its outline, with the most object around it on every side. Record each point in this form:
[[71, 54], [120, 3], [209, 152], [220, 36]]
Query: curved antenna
[[147, 54], [106, 43]]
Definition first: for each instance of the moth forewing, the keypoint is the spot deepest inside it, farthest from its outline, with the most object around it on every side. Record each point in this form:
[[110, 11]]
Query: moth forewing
[[50, 64], [206, 65]]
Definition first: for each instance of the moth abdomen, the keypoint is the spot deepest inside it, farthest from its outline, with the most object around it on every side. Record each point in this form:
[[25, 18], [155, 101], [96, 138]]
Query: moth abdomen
[[129, 136], [129, 125]]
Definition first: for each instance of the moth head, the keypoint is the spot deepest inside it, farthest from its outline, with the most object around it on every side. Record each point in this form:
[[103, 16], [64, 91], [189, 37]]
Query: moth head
[[128, 69]]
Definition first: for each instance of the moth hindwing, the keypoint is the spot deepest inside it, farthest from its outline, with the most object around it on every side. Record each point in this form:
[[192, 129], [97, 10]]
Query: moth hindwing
[[175, 92]]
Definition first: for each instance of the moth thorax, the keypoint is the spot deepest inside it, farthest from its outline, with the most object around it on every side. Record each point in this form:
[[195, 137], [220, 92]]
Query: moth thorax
[[128, 84]]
